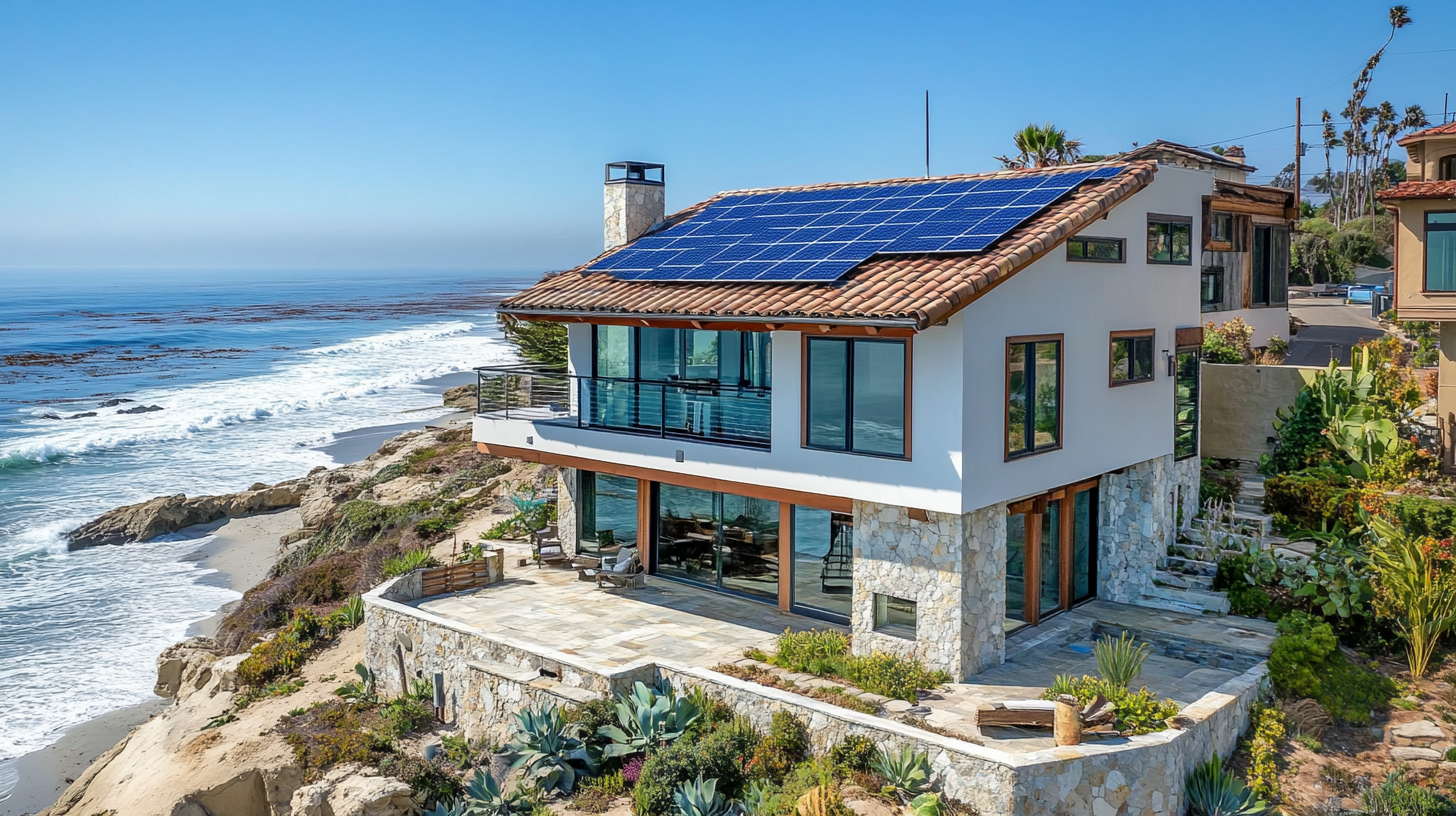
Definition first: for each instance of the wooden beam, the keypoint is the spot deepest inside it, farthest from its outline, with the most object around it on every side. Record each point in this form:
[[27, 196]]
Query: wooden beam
[[1249, 207], [645, 523], [838, 504], [786, 556]]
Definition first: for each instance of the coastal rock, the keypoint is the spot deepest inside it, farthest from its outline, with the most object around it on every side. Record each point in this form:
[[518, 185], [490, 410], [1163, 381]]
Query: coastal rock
[[49, 415], [185, 666], [168, 514], [141, 409], [112, 403], [225, 669], [82, 415], [461, 396], [371, 796]]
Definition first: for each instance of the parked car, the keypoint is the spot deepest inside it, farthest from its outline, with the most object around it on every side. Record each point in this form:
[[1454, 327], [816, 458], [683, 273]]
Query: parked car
[[1362, 292], [1329, 289]]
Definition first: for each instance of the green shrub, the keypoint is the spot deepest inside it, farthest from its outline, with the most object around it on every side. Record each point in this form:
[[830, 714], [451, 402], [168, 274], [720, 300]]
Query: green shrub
[[721, 755], [1397, 797], [388, 473], [1297, 654], [813, 651], [405, 715], [330, 733], [407, 562], [1120, 660], [284, 654], [1137, 711], [1267, 725], [786, 745], [592, 715], [660, 776], [712, 714], [891, 676], [1420, 516], [853, 754], [1311, 498], [1219, 481], [429, 780]]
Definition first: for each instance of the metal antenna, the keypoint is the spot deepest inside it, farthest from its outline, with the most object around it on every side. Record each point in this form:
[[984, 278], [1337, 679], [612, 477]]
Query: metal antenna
[[927, 133]]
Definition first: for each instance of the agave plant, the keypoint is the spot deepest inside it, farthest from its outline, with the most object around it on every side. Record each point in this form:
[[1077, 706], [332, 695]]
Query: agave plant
[[1211, 792], [549, 749], [483, 797], [757, 799], [361, 690], [351, 614], [927, 804], [456, 808], [649, 717], [1120, 661], [701, 798], [906, 773]]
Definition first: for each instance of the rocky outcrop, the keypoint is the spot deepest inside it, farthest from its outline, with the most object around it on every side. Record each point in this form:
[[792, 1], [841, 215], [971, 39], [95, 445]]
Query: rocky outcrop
[[346, 792], [185, 667], [141, 409], [168, 514], [461, 396]]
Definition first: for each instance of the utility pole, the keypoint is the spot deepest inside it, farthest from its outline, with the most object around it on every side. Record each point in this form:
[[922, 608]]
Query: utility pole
[[1298, 152], [927, 133]]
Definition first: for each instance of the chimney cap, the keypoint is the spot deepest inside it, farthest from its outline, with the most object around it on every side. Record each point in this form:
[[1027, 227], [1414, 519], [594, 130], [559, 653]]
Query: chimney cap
[[1235, 153], [630, 172]]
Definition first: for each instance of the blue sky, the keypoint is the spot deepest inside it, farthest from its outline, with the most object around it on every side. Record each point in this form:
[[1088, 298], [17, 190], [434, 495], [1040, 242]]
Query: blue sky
[[472, 134]]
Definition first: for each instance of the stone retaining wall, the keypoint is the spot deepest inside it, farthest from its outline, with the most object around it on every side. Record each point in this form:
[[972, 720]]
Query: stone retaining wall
[[1134, 527], [489, 679]]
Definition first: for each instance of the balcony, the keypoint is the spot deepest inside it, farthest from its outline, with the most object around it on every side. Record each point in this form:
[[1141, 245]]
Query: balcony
[[694, 410]]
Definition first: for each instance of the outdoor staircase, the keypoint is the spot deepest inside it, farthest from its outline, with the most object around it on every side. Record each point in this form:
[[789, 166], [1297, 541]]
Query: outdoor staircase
[[1183, 581]]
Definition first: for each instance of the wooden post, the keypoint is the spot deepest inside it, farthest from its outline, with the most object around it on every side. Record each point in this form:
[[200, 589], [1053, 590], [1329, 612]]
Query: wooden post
[[1067, 725]]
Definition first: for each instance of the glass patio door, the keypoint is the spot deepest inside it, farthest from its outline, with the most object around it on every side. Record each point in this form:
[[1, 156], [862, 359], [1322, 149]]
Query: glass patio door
[[725, 541], [1051, 554]]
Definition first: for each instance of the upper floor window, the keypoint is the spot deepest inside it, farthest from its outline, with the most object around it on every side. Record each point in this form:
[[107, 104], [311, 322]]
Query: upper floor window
[[690, 355], [1221, 228], [1132, 357], [1170, 239], [1106, 250], [1446, 169], [1211, 289], [1033, 395], [1270, 266], [1441, 252], [857, 395]]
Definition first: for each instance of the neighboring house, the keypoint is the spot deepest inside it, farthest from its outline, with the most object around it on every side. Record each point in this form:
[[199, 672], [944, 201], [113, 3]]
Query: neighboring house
[[1425, 251], [1246, 228], [936, 410]]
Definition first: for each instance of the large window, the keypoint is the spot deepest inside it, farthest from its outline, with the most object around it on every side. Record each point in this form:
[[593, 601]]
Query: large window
[[823, 562], [1170, 239], [1104, 250], [856, 396], [683, 355], [1185, 404], [1132, 357], [1441, 252], [1270, 282], [1033, 395], [606, 512], [719, 539]]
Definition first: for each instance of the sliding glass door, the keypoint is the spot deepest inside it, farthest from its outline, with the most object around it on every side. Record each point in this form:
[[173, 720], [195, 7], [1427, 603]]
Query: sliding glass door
[[724, 541], [1051, 554]]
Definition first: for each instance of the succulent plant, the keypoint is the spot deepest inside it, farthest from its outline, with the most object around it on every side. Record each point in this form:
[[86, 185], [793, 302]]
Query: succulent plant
[[1212, 792], [456, 808], [905, 772], [361, 690], [927, 804], [650, 717], [701, 798], [757, 799], [549, 749], [484, 797]]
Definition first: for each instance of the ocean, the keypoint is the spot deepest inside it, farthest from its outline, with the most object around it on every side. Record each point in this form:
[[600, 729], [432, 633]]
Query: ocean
[[255, 372]]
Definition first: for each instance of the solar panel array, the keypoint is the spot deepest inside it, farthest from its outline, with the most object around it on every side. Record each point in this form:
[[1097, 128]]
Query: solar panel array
[[820, 234]]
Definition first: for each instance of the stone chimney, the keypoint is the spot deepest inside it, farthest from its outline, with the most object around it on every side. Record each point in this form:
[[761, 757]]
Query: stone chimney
[[1235, 154], [633, 199]]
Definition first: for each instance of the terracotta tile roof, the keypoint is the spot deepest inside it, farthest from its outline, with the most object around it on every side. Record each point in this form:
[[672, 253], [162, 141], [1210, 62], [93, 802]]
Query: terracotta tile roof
[[908, 291], [1448, 129], [1418, 189]]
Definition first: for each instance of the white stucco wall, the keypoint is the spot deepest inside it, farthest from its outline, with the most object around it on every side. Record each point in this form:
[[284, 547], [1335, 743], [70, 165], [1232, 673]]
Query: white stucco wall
[[958, 405]]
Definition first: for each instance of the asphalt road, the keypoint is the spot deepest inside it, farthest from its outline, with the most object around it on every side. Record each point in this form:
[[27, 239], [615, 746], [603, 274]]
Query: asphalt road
[[1333, 328]]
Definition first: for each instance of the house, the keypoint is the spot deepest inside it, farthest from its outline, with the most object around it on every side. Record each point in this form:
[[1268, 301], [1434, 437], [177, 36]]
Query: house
[[1425, 250], [1244, 265], [937, 410]]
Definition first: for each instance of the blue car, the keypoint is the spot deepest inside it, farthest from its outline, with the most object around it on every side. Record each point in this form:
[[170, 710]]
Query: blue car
[[1362, 292]]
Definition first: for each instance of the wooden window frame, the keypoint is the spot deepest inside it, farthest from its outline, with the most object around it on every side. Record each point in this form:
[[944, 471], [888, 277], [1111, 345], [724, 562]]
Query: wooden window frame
[[1084, 240], [1425, 252], [1112, 338], [1061, 340], [1034, 508], [908, 344], [1163, 218]]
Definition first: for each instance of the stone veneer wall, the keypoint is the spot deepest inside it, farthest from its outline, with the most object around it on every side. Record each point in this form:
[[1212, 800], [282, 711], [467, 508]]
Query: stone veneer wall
[[628, 210], [567, 482], [1134, 527], [952, 566], [488, 680], [1188, 474]]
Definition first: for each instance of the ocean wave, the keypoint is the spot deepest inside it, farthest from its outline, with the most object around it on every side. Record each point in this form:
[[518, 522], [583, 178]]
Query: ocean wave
[[396, 339]]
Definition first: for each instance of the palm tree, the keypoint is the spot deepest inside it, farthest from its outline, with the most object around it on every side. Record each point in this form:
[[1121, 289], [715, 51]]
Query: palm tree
[[1044, 145]]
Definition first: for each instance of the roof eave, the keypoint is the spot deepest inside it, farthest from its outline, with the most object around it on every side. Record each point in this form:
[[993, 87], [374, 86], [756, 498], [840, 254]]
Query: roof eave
[[585, 315]]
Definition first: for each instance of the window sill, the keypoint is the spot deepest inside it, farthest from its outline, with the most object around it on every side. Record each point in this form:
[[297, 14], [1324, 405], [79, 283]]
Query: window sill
[[1142, 381], [890, 456], [1152, 262], [1012, 457]]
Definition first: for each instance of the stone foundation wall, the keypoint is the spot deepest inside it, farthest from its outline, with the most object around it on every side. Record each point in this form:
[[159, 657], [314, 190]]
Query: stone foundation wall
[[567, 482], [1187, 475], [952, 566], [1134, 527]]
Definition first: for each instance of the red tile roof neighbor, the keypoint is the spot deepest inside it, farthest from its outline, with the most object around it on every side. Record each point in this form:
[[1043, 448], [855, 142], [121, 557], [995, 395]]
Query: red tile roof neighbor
[[901, 291], [1418, 189], [1448, 129]]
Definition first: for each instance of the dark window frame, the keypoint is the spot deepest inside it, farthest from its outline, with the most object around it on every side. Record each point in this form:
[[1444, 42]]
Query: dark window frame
[[1179, 354], [1085, 241], [1215, 305], [804, 378], [1425, 248], [1169, 221], [1029, 430], [882, 625], [634, 355], [1446, 168], [1227, 240], [1131, 335]]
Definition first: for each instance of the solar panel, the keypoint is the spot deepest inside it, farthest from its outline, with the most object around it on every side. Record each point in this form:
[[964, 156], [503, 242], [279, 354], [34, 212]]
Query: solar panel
[[821, 234]]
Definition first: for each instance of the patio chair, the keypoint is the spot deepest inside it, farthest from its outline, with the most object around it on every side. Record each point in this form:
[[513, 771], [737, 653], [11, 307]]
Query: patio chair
[[549, 551], [547, 533], [620, 570]]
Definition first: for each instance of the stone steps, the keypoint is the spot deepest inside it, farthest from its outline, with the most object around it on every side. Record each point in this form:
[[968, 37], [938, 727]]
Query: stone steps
[[1180, 594], [1187, 568]]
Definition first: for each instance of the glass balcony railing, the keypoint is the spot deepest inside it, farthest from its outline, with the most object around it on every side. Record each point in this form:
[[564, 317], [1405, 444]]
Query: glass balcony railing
[[701, 410]]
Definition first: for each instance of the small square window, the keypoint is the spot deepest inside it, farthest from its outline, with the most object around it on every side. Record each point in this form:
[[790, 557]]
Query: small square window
[[1211, 289], [1221, 228], [894, 616], [1170, 239], [1132, 357]]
